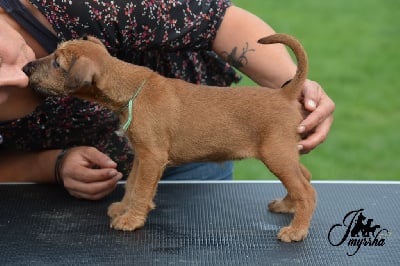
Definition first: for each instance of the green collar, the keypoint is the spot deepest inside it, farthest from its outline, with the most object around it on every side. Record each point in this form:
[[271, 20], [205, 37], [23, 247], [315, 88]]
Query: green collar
[[129, 106]]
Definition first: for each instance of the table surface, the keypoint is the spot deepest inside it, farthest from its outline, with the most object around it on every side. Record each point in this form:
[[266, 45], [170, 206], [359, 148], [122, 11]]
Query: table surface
[[214, 223]]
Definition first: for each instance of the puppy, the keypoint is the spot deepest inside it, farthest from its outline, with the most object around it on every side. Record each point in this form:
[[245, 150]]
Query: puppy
[[176, 122]]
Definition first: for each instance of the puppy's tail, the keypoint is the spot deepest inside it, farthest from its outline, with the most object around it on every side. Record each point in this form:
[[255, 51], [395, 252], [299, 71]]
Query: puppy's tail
[[294, 88]]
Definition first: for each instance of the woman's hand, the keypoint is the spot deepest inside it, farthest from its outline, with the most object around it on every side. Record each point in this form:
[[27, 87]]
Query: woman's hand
[[88, 173], [317, 124]]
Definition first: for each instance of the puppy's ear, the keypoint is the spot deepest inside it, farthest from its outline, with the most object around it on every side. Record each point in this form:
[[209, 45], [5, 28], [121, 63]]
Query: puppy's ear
[[94, 40], [81, 73], [84, 37]]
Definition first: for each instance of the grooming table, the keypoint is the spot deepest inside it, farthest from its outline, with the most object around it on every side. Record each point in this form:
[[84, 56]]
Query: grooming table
[[212, 223]]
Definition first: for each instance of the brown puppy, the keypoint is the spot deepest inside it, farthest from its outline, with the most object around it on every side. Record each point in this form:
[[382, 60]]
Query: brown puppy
[[176, 122]]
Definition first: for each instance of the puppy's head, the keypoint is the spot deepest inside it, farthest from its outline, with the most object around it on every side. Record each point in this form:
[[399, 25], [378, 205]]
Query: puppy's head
[[75, 65]]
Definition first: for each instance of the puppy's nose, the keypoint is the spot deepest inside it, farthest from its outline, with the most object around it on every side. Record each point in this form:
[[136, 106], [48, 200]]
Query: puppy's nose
[[28, 69]]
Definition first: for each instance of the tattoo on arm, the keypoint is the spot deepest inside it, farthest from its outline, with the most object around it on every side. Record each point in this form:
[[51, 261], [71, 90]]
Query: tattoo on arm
[[236, 60]]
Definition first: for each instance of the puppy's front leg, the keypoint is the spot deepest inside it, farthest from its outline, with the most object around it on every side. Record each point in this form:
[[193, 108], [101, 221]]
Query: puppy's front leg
[[138, 199], [118, 208]]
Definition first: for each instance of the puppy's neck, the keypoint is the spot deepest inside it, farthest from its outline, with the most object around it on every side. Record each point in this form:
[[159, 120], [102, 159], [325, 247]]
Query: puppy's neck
[[119, 84], [129, 104]]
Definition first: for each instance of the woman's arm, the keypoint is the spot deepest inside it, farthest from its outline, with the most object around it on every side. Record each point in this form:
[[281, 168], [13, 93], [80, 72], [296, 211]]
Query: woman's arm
[[28, 167], [76, 170], [271, 66], [236, 42]]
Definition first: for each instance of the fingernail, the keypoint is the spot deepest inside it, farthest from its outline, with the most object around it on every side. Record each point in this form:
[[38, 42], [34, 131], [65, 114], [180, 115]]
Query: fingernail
[[111, 163], [300, 147], [301, 129], [117, 175], [312, 104], [112, 173]]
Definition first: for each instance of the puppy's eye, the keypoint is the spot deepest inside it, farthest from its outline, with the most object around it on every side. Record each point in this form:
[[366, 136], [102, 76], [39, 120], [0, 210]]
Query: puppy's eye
[[55, 63]]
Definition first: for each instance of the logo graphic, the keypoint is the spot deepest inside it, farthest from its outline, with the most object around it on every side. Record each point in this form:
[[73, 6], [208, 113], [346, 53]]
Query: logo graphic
[[356, 231]]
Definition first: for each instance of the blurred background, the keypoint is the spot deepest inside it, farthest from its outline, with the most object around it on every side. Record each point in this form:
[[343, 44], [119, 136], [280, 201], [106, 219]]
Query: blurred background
[[354, 53]]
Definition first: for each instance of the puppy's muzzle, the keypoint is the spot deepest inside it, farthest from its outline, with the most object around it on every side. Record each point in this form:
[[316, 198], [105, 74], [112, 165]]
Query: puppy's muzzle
[[29, 68]]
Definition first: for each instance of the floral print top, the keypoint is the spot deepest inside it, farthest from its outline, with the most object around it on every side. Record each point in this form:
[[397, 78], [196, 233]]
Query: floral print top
[[172, 37], [60, 123]]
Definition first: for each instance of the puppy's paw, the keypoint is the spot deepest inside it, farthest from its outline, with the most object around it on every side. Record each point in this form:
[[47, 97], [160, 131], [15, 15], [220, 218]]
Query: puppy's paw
[[116, 209], [127, 222], [281, 206], [290, 234], [152, 206]]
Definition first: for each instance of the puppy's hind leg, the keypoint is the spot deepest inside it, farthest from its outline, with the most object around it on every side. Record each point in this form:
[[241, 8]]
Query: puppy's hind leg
[[300, 199], [139, 201], [286, 204]]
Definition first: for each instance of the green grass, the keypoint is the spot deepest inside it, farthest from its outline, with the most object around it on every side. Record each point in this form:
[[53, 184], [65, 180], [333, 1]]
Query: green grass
[[354, 53]]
